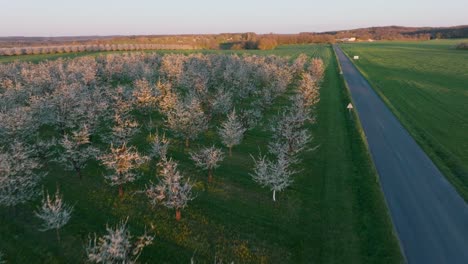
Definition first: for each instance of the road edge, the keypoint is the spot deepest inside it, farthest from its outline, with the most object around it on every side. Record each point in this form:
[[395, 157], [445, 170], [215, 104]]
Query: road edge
[[364, 139], [442, 165]]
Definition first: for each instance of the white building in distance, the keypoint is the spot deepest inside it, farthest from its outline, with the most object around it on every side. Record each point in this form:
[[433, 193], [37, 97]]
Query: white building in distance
[[353, 39]]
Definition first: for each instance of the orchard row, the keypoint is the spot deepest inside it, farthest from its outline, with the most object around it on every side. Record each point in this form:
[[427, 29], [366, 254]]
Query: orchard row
[[73, 111]]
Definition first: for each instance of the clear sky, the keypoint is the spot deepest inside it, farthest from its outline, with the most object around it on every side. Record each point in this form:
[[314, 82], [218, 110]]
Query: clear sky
[[134, 17]]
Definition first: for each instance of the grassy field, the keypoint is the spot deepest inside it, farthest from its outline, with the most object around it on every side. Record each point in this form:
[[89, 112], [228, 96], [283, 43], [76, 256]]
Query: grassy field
[[425, 85], [333, 213]]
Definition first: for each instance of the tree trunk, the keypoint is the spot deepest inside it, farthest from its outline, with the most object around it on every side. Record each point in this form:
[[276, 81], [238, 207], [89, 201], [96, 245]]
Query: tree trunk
[[76, 168], [187, 143], [274, 195], [78, 172], [210, 175], [230, 151], [58, 235], [121, 191], [177, 215]]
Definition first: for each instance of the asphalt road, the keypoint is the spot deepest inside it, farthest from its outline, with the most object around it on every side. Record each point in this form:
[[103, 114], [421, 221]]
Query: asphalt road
[[430, 218]]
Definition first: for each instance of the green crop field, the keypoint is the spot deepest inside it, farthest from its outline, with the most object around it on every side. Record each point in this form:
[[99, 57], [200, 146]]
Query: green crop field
[[334, 212], [426, 85]]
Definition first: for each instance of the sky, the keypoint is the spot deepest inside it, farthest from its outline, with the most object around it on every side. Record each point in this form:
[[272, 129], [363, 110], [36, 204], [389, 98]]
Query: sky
[[145, 17]]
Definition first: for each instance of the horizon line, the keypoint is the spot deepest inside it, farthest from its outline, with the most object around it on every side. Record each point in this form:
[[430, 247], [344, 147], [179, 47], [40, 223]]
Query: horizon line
[[220, 33]]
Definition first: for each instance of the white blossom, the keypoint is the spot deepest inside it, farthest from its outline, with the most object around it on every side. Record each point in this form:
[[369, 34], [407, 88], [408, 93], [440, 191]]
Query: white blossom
[[117, 246], [17, 123], [77, 151], [231, 131], [299, 64], [123, 130], [43, 148], [171, 191], [288, 131], [145, 95], [66, 106], [122, 162], [317, 69], [250, 118], [121, 102], [187, 120], [159, 146], [208, 159], [308, 90], [54, 212], [222, 101], [275, 174], [167, 99], [83, 70], [172, 67], [19, 176]]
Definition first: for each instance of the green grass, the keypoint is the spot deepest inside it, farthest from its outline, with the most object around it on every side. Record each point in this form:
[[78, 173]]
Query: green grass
[[425, 85], [333, 213]]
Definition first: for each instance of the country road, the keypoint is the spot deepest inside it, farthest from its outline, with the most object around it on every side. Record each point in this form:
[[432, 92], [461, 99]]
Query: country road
[[430, 218]]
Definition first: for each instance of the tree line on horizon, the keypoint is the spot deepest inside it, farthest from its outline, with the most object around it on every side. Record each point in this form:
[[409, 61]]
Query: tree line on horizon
[[234, 41]]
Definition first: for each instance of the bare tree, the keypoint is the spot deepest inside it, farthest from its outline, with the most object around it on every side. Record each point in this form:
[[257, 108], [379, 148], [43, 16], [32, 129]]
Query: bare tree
[[54, 213], [208, 159], [77, 151], [275, 175], [19, 176], [122, 161], [2, 260], [171, 191], [231, 131], [117, 246]]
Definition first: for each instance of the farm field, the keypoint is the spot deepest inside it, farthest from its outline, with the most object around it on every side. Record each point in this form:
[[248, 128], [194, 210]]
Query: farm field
[[333, 212], [425, 85]]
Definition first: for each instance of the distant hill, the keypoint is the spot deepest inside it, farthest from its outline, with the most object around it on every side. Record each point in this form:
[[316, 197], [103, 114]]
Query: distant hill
[[248, 40], [397, 32]]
